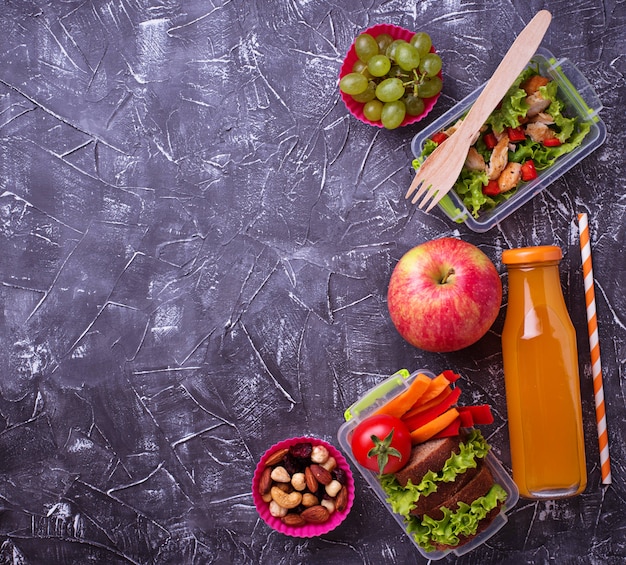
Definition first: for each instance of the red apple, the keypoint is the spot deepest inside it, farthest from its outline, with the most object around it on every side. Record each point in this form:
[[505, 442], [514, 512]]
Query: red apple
[[444, 295]]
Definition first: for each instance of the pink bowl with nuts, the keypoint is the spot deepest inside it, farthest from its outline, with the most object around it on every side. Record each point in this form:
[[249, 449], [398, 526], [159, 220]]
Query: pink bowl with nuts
[[303, 487]]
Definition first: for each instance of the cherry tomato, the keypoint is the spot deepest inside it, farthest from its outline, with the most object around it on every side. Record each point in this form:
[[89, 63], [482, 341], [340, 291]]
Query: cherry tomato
[[528, 170], [492, 188], [490, 140], [516, 134], [439, 137], [552, 142], [382, 443]]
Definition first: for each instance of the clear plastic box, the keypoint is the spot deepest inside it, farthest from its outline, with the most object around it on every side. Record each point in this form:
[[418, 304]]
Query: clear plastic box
[[580, 100], [366, 406]]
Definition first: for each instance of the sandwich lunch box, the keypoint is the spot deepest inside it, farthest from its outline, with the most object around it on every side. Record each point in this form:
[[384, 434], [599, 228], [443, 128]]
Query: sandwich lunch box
[[581, 102], [367, 405]]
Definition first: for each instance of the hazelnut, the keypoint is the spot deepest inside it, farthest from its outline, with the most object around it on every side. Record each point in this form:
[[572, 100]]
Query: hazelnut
[[319, 454], [330, 464], [333, 488], [329, 504], [277, 510], [280, 475], [298, 481]]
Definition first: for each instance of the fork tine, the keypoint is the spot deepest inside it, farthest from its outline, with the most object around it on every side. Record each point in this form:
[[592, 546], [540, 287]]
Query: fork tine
[[432, 192], [424, 186], [415, 183], [436, 198], [421, 175]]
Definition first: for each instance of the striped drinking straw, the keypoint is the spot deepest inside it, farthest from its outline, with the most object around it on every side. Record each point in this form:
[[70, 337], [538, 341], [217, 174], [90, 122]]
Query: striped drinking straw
[[594, 346]]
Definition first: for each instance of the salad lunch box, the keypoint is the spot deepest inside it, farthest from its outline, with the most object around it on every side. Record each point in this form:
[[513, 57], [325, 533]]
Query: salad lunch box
[[581, 102], [372, 401]]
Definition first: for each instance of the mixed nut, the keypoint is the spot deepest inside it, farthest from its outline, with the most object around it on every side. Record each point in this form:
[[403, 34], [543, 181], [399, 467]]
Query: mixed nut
[[303, 484]]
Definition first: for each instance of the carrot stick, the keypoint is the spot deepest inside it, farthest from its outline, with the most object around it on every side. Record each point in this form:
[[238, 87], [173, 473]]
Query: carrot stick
[[399, 405], [421, 407], [437, 385], [433, 427]]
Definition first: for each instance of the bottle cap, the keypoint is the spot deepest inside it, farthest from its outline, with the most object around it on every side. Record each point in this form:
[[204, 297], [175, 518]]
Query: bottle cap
[[538, 254]]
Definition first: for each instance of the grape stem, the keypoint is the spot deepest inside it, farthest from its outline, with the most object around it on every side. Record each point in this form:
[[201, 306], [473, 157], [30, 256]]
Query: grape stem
[[415, 82]]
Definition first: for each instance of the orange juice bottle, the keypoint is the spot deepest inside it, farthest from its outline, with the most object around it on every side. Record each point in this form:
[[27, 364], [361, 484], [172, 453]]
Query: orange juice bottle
[[541, 378]]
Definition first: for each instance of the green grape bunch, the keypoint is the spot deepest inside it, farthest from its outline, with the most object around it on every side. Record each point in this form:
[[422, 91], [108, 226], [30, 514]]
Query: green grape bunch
[[391, 77]]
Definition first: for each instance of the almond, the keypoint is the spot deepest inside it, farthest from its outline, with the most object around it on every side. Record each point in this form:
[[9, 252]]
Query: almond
[[311, 481], [322, 475], [293, 520], [341, 500], [315, 514], [265, 483], [276, 457]]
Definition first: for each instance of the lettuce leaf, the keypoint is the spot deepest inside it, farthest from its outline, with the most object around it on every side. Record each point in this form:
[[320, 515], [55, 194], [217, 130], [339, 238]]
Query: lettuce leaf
[[545, 157], [565, 126], [403, 499], [469, 187], [513, 106], [463, 522]]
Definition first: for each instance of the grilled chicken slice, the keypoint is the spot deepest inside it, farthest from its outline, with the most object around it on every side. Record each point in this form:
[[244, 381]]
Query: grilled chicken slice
[[475, 161], [536, 103], [453, 128], [542, 118], [539, 132], [499, 158], [534, 83], [510, 177]]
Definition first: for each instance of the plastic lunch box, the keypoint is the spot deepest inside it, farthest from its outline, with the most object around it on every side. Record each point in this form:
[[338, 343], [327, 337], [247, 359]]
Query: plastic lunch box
[[580, 100], [368, 404]]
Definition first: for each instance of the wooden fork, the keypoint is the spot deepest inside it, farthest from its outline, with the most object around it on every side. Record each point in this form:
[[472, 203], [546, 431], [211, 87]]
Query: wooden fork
[[438, 173]]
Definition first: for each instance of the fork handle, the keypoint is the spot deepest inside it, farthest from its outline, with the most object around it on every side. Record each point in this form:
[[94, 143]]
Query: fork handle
[[516, 58]]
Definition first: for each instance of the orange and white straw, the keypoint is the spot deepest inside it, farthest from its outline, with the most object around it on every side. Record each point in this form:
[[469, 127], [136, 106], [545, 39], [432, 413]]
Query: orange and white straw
[[594, 346]]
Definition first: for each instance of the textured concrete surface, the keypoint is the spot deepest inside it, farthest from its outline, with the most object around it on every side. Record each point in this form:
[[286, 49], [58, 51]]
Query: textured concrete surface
[[195, 244]]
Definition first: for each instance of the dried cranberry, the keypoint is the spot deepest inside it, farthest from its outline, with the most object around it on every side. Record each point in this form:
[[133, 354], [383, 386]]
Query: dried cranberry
[[340, 475], [301, 450], [291, 464]]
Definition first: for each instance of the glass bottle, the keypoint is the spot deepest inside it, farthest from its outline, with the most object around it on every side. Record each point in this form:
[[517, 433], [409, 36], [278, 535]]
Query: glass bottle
[[541, 378]]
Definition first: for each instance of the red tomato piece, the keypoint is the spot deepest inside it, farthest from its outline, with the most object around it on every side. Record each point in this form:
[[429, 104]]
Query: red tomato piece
[[439, 137], [552, 142], [382, 443], [492, 188], [528, 170], [490, 140], [516, 134]]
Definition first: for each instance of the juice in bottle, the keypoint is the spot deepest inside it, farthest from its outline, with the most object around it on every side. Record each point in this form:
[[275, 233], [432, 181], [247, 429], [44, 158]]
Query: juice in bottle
[[541, 378]]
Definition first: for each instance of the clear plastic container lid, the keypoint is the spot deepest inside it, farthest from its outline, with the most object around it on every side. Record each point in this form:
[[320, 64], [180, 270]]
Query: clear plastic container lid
[[365, 407], [581, 101]]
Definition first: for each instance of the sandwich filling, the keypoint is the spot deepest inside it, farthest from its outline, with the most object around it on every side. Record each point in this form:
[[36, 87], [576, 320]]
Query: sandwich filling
[[460, 507]]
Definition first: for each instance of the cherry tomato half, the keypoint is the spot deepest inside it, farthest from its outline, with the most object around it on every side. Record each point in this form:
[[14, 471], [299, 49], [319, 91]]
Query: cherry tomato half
[[382, 443]]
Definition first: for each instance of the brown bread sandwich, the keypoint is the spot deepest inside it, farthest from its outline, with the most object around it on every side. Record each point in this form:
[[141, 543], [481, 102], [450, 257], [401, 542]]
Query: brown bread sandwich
[[446, 492]]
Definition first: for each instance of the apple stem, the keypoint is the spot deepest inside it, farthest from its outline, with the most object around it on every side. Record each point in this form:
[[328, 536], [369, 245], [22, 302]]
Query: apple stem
[[444, 280]]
